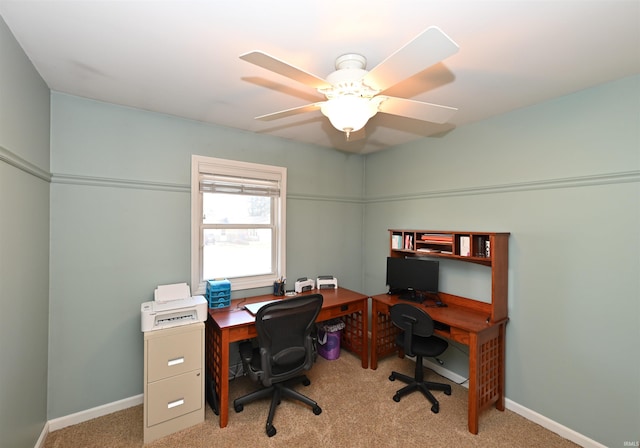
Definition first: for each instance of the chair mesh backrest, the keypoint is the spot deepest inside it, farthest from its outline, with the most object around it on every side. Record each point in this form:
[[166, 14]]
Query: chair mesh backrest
[[412, 319], [284, 330]]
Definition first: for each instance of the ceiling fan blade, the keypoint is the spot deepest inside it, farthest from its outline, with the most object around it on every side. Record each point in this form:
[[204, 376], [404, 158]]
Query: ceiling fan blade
[[273, 64], [289, 112], [416, 109], [428, 48]]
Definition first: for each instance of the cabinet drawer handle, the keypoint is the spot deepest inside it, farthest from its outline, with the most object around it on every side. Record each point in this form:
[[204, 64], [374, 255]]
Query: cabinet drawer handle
[[176, 361], [173, 404]]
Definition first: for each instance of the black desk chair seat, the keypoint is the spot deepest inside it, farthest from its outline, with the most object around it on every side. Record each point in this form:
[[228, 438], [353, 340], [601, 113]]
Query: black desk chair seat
[[417, 340], [285, 350]]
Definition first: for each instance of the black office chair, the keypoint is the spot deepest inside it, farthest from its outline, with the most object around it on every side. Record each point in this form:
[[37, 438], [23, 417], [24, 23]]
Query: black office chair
[[285, 349], [417, 339]]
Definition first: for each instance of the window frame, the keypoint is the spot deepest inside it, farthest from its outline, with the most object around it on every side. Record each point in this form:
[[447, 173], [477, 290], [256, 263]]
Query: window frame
[[210, 166]]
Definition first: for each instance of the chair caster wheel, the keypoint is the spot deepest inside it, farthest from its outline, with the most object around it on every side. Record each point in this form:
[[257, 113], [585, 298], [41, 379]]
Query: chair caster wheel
[[306, 382], [392, 378], [271, 431], [447, 392], [238, 407], [396, 398], [317, 410], [435, 408]]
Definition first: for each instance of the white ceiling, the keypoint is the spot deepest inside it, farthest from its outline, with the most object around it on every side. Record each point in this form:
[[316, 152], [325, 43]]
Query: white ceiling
[[180, 57]]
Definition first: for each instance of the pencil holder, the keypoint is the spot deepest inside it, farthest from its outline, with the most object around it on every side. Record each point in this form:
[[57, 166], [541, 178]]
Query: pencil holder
[[278, 288]]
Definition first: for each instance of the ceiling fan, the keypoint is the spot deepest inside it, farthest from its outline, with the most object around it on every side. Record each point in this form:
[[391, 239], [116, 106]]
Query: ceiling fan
[[353, 93]]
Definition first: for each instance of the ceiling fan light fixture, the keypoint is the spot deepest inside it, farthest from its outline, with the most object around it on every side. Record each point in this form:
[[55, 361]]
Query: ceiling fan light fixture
[[349, 113], [352, 92]]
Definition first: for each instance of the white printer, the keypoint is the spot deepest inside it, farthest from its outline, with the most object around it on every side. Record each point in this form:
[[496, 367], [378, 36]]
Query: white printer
[[304, 284], [172, 306], [327, 282]]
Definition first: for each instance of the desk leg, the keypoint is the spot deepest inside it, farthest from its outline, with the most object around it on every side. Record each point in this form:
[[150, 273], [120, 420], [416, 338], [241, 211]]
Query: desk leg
[[500, 405], [224, 378], [354, 334], [361, 335], [217, 349], [383, 333], [486, 372], [474, 371], [365, 334], [374, 334]]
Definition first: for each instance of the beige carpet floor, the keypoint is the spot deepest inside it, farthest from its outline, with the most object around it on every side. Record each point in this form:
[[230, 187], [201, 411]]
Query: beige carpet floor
[[357, 411]]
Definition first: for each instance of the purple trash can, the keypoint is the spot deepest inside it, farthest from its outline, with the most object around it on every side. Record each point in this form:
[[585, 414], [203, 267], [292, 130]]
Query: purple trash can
[[329, 334]]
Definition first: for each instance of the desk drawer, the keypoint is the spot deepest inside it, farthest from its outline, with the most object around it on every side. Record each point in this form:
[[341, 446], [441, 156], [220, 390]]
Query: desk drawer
[[173, 397], [173, 354], [340, 310]]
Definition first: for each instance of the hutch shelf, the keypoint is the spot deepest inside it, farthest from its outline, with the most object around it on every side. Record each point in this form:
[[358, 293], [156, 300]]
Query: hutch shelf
[[489, 249]]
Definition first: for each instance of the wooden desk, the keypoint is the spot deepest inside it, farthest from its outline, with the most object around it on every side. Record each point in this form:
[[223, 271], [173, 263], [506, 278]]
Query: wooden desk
[[468, 323], [235, 324]]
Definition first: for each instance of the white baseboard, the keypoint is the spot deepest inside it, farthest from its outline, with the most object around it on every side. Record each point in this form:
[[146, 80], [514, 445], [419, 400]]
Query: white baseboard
[[43, 436], [83, 416], [561, 430], [527, 413], [552, 426]]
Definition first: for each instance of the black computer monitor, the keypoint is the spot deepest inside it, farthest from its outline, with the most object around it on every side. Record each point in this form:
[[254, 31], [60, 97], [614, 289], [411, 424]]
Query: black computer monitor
[[411, 277]]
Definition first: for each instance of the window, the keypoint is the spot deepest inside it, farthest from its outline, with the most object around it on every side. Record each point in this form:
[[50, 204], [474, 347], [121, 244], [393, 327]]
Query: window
[[237, 223]]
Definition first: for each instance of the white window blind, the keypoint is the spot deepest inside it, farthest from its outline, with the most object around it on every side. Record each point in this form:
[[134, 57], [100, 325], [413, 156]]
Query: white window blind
[[239, 185]]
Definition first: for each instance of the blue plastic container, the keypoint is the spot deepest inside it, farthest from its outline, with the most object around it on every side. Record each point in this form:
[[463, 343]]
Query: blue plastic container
[[218, 293]]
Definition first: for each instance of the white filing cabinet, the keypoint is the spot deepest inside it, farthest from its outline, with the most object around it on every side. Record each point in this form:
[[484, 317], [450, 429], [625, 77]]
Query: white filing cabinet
[[173, 379]]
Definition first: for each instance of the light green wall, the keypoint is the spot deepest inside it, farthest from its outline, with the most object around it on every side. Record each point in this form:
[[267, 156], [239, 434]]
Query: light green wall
[[24, 246], [120, 214], [564, 178]]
